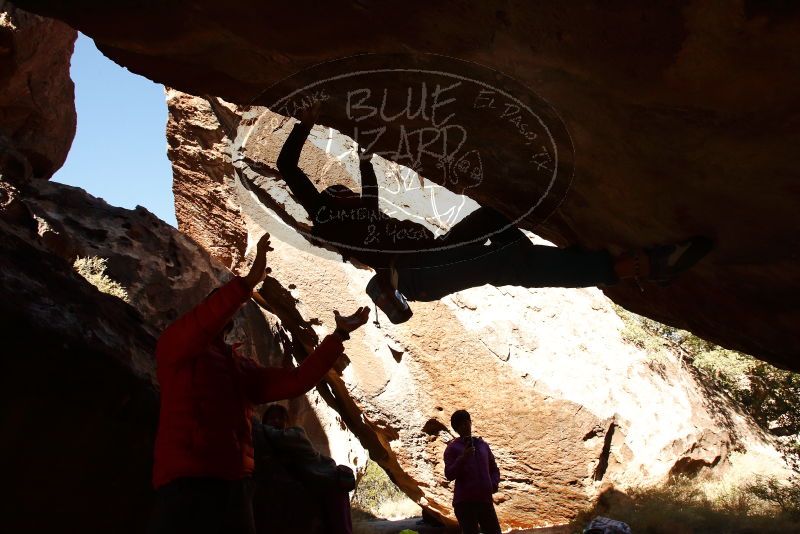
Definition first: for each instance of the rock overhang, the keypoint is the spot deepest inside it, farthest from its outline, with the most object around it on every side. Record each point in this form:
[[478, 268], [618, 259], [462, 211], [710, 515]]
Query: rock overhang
[[675, 113]]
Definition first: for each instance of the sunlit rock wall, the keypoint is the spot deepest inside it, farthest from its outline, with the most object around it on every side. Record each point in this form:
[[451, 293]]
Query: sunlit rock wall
[[37, 108], [567, 405]]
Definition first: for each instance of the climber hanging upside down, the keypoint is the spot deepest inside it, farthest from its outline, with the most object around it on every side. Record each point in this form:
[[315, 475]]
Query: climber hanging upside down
[[427, 268]]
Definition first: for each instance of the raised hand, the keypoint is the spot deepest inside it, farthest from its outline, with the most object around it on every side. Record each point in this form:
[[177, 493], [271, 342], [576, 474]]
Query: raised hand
[[468, 451], [351, 322], [310, 114], [259, 269], [363, 155]]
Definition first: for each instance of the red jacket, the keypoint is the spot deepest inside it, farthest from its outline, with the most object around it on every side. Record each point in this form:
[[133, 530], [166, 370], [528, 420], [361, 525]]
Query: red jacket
[[208, 391]]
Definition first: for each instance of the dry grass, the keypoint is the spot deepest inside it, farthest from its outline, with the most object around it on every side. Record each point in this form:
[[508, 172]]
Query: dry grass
[[401, 508], [93, 269], [684, 506]]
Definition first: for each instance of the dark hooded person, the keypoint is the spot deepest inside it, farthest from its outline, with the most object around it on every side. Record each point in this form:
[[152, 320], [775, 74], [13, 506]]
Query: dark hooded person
[[288, 464]]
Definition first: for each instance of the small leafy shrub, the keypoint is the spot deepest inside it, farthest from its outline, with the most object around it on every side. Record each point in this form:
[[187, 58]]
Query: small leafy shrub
[[93, 269], [374, 489], [784, 497], [642, 332]]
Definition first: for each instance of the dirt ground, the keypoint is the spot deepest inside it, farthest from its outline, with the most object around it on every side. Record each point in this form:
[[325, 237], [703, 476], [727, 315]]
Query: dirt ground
[[385, 526]]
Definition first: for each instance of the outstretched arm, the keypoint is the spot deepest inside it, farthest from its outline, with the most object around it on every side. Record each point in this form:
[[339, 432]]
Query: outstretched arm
[[299, 183], [267, 384], [199, 326], [184, 338], [369, 182]]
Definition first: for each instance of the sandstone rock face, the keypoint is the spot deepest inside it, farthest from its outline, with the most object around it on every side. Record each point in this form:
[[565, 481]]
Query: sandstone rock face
[[82, 378], [677, 116], [165, 274], [199, 162], [81, 375], [207, 212], [79, 405], [567, 405], [37, 105], [79, 400]]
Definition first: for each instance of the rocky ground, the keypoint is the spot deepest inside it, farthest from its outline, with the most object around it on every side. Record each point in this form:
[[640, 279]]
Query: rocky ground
[[385, 526]]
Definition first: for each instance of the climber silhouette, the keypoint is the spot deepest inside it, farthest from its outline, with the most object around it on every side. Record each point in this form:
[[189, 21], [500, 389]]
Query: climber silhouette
[[424, 267]]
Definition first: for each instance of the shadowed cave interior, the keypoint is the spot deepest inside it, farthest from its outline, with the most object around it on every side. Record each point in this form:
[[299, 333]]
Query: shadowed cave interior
[[645, 125]]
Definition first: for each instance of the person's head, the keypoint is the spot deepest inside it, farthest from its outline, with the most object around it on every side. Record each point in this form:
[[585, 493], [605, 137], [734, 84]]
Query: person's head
[[276, 416], [461, 422]]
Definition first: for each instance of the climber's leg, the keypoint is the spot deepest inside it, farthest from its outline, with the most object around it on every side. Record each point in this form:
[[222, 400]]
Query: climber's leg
[[663, 263], [433, 275], [483, 223], [518, 263], [464, 242]]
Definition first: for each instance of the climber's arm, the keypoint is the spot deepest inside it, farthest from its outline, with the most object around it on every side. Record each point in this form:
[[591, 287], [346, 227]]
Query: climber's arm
[[369, 182], [299, 183]]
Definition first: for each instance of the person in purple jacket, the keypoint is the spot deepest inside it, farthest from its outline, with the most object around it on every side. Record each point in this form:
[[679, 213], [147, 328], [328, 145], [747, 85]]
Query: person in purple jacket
[[469, 461]]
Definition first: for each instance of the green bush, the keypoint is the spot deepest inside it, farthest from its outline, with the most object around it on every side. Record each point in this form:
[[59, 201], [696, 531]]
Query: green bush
[[375, 488], [783, 496], [642, 332], [93, 269]]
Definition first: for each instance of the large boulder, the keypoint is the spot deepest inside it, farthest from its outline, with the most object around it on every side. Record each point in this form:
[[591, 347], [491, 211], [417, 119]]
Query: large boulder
[[560, 432], [199, 162], [566, 403], [80, 378], [678, 116], [37, 104], [80, 407], [78, 390]]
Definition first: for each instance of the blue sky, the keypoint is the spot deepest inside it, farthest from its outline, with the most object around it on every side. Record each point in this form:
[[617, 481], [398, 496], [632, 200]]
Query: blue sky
[[120, 148]]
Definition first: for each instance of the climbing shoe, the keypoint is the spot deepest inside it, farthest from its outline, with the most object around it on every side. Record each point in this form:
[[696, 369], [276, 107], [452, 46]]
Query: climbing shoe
[[383, 291], [668, 261]]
